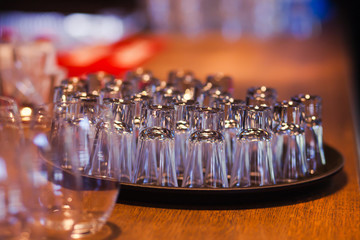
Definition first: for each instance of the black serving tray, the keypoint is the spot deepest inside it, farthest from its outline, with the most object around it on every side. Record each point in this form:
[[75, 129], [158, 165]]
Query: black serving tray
[[138, 194]]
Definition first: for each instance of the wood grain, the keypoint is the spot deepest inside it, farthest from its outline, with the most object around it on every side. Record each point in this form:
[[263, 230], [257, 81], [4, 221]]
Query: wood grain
[[319, 66]]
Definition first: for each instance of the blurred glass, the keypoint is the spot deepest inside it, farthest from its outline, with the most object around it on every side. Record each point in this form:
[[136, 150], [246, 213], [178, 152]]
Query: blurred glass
[[13, 215], [82, 201]]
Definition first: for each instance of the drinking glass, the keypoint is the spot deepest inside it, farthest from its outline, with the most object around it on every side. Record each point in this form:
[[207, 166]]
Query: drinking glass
[[84, 202], [313, 130], [155, 155], [289, 142], [113, 92], [233, 109], [208, 95], [97, 80], [53, 201], [186, 83], [141, 101], [261, 96], [13, 214], [143, 80], [112, 152], [253, 163], [206, 165], [182, 133], [82, 114], [167, 96], [223, 81]]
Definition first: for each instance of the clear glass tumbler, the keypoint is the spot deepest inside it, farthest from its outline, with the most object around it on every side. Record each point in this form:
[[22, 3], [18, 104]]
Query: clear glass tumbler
[[155, 155], [289, 142], [261, 96], [313, 130], [63, 169], [182, 133], [253, 161], [233, 109], [13, 215], [206, 165], [112, 151]]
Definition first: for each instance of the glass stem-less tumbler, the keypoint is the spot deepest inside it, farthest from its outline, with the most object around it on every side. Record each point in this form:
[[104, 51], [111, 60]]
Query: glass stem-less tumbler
[[261, 96], [112, 151], [289, 142], [155, 157], [182, 133], [206, 165], [141, 102], [313, 131], [253, 161], [82, 116], [232, 127]]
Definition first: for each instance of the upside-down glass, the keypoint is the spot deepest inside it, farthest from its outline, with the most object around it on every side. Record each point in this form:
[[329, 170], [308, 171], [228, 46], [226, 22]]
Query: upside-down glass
[[233, 109], [155, 157], [182, 133], [82, 114], [223, 81], [313, 130], [253, 162], [261, 96], [113, 150], [186, 83], [289, 142], [142, 80], [141, 102], [206, 165]]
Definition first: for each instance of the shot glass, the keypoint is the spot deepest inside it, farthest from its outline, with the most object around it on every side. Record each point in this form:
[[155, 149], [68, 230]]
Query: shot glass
[[182, 133], [155, 155], [289, 142], [82, 115], [206, 165], [167, 96], [97, 80], [143, 80], [313, 130], [233, 123], [186, 83], [112, 89], [141, 101], [223, 81], [75, 84], [261, 96], [253, 161], [112, 151]]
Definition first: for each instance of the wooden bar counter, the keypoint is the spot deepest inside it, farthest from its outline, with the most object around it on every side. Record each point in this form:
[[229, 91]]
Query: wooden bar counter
[[319, 65]]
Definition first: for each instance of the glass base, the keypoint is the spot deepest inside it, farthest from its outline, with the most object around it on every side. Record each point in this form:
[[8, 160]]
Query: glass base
[[91, 230]]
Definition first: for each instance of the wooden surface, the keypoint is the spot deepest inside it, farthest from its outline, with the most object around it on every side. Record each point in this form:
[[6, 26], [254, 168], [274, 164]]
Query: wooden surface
[[318, 66]]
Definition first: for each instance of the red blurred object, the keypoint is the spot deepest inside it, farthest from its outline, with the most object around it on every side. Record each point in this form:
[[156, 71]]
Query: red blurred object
[[116, 58]]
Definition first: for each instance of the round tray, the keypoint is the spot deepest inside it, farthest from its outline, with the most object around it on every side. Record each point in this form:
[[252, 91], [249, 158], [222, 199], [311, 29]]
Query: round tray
[[135, 193]]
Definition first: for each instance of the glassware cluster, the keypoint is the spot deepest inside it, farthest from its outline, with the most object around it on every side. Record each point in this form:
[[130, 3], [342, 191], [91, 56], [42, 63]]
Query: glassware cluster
[[50, 188], [61, 164], [185, 133]]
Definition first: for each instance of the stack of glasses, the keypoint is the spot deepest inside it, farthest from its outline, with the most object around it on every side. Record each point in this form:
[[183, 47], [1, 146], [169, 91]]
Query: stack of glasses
[[186, 133]]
